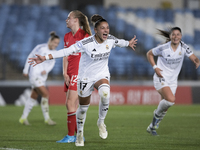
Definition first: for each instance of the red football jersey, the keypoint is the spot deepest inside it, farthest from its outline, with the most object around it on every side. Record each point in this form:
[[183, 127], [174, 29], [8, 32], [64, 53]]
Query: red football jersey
[[73, 60]]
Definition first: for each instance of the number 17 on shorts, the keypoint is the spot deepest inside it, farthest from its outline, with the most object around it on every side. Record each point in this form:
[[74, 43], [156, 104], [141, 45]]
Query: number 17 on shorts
[[85, 88]]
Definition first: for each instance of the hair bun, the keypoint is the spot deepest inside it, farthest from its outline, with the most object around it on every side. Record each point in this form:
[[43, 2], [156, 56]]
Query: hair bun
[[95, 18], [52, 33]]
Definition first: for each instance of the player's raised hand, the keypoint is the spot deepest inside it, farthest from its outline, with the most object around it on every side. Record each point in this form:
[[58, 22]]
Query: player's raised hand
[[133, 42], [37, 60]]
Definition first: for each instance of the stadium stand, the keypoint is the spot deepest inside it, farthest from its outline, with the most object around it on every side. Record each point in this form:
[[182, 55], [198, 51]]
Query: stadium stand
[[24, 26]]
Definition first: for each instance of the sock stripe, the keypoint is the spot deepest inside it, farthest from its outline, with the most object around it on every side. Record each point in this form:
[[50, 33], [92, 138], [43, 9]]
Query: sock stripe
[[71, 113], [106, 85]]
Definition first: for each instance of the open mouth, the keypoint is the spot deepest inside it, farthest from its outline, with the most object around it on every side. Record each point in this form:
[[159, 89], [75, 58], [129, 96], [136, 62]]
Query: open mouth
[[176, 40], [105, 35]]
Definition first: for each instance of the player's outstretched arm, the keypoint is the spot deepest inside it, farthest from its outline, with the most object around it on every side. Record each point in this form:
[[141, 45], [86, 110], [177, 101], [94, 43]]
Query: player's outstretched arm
[[37, 60], [133, 42]]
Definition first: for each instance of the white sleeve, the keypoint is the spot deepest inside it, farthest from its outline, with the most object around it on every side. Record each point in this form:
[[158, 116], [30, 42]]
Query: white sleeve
[[118, 42], [27, 65], [121, 43], [75, 48], [157, 51], [188, 51]]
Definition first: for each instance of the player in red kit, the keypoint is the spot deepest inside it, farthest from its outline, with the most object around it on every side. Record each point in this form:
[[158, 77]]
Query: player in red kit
[[79, 25]]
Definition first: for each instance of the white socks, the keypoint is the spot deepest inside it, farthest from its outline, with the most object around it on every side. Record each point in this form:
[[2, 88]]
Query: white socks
[[45, 108], [104, 93], [163, 106], [103, 109], [81, 116], [27, 108]]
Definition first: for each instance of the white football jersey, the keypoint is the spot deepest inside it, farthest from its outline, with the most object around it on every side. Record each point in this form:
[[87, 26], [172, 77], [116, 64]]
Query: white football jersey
[[94, 56], [41, 49], [170, 62]]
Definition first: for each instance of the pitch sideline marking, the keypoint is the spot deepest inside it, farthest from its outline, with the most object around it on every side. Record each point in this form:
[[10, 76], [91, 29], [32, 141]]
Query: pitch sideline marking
[[9, 148]]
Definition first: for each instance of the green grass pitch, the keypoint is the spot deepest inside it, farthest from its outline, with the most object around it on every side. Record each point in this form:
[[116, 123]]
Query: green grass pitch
[[126, 125]]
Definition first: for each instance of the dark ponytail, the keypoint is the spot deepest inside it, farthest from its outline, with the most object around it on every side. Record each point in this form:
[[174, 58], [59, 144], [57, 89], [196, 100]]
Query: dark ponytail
[[166, 34]]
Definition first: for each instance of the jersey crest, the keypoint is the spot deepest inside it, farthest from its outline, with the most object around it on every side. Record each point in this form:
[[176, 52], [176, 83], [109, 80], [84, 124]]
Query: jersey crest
[[107, 47]]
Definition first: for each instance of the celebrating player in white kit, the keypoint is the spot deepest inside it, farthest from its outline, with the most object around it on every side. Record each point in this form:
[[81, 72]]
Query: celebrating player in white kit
[[37, 77], [169, 63], [93, 71]]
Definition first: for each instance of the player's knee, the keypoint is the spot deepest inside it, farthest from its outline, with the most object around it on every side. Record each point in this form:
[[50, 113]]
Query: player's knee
[[83, 108], [44, 101], [171, 99], [45, 94], [104, 92]]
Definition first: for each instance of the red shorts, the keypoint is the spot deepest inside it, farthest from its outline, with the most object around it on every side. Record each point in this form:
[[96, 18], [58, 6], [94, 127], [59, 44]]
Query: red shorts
[[72, 84]]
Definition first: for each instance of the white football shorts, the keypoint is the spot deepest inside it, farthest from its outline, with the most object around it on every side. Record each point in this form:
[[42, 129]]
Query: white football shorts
[[37, 82], [85, 88], [159, 83]]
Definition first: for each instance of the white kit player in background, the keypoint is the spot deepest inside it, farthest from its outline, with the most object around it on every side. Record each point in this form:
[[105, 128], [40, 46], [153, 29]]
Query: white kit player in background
[[170, 59], [93, 71], [37, 77]]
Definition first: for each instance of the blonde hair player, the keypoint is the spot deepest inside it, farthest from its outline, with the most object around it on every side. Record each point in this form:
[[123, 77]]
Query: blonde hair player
[[37, 77], [170, 59], [93, 71], [79, 25]]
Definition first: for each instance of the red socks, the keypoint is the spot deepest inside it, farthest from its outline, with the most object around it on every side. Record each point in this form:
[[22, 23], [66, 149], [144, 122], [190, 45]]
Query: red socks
[[71, 123]]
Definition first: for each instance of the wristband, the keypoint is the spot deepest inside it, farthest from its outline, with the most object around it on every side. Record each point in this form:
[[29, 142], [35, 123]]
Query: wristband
[[155, 66], [47, 57]]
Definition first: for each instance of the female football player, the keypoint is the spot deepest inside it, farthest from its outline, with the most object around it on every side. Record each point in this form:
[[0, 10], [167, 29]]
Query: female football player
[[79, 25], [37, 77], [93, 71], [170, 59]]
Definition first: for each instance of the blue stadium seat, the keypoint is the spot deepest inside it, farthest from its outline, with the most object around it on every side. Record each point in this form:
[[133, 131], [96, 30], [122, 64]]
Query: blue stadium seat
[[111, 16], [160, 18], [21, 60], [169, 15], [140, 67], [197, 37], [196, 13], [63, 14], [150, 13], [35, 12], [57, 70], [101, 10], [4, 13], [129, 31], [120, 26], [141, 13], [91, 10], [148, 42], [188, 39], [139, 34], [196, 46]]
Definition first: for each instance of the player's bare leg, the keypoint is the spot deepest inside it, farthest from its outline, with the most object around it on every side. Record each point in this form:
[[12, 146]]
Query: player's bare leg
[[167, 101]]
